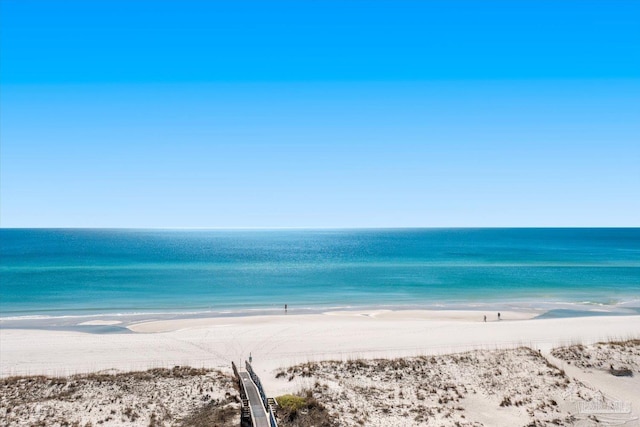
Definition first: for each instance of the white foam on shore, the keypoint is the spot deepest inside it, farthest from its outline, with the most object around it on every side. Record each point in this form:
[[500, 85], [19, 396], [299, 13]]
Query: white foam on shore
[[137, 316], [100, 323]]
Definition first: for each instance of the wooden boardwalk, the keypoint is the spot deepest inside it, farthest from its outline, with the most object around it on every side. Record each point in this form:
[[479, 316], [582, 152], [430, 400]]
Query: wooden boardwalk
[[258, 412]]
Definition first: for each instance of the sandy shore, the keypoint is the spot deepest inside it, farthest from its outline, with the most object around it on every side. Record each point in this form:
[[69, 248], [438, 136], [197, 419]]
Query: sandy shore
[[283, 341], [286, 340]]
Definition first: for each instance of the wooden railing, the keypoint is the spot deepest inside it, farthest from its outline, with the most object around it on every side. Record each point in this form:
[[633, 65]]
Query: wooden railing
[[246, 419], [268, 403]]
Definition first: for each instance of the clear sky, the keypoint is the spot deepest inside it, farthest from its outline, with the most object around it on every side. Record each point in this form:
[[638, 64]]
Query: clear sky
[[319, 113]]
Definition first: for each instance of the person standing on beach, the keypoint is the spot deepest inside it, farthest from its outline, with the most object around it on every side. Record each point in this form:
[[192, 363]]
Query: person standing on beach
[[285, 308], [498, 316], [485, 319]]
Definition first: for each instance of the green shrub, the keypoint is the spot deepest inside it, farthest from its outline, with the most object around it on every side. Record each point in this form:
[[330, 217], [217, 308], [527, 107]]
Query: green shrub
[[291, 403]]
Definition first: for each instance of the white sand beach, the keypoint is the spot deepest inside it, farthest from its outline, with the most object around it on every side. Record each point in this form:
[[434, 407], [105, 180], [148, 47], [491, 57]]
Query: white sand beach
[[284, 340], [275, 342]]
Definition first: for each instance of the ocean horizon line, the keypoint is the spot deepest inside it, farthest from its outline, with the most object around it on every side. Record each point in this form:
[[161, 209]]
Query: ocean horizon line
[[179, 228]]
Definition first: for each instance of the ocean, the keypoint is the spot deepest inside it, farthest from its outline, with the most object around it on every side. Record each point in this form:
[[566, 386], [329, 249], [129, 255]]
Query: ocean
[[49, 274]]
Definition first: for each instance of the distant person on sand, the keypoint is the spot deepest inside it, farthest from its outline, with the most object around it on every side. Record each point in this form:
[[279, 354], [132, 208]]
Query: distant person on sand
[[498, 316], [485, 318], [285, 308]]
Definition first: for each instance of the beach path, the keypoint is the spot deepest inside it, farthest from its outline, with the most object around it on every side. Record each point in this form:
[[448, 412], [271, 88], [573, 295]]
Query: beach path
[[258, 413]]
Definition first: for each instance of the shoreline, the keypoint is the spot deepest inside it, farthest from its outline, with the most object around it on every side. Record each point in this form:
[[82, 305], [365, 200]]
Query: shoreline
[[73, 321]]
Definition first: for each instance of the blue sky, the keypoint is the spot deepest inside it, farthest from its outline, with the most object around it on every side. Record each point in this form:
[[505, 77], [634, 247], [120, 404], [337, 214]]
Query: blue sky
[[319, 113]]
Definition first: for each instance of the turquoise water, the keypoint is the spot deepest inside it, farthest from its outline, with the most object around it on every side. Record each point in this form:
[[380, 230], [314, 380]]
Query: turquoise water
[[51, 273]]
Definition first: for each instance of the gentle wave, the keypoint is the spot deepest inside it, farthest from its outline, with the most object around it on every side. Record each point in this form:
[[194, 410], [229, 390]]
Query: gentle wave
[[511, 305], [312, 265]]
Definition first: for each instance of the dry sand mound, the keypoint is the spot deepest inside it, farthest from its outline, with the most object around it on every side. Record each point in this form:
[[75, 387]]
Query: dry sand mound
[[157, 397], [490, 388]]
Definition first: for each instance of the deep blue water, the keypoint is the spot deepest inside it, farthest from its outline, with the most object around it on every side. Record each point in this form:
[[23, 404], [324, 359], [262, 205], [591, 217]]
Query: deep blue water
[[61, 272]]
